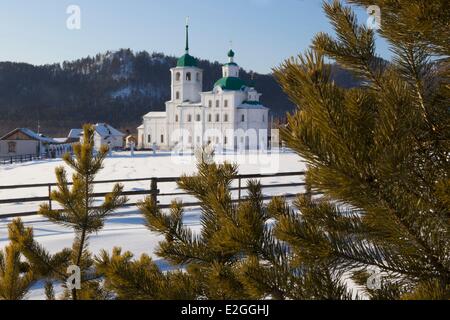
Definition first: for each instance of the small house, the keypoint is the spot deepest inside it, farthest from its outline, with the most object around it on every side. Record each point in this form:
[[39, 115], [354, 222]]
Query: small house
[[107, 135], [25, 142]]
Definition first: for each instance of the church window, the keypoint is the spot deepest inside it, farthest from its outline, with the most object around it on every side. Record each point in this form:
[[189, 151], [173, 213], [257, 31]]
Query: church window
[[12, 147], [177, 95], [162, 138], [198, 76], [226, 74], [217, 117], [190, 139], [178, 76], [210, 103], [226, 103], [149, 139], [209, 117], [225, 140], [217, 103], [188, 76], [264, 118], [243, 118], [176, 118], [189, 118], [198, 139], [198, 118], [225, 118]]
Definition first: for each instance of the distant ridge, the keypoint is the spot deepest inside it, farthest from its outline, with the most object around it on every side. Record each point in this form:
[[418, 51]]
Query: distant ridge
[[116, 87]]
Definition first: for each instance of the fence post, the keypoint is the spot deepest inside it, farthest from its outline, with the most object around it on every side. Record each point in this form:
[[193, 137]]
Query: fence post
[[239, 189], [50, 196], [154, 190]]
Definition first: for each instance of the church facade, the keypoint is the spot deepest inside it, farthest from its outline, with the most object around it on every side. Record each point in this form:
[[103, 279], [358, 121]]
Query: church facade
[[229, 116]]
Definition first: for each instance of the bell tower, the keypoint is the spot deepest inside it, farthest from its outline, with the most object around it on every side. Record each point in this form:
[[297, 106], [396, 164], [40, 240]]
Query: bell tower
[[230, 69], [187, 78]]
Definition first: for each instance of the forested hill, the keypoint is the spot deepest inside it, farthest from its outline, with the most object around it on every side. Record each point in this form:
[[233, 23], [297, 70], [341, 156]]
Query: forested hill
[[115, 87]]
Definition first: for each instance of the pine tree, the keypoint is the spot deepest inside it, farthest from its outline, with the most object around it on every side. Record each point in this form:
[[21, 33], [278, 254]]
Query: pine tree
[[16, 277], [80, 213], [236, 255], [379, 153]]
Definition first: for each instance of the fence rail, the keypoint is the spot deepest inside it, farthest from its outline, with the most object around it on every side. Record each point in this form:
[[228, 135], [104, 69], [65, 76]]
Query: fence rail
[[153, 190], [20, 159]]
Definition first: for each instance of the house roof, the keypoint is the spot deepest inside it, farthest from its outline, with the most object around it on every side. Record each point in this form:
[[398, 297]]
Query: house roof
[[30, 133], [75, 133], [105, 130]]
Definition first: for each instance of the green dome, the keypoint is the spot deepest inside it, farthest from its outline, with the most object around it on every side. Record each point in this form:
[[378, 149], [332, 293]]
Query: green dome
[[187, 61], [231, 54], [230, 83]]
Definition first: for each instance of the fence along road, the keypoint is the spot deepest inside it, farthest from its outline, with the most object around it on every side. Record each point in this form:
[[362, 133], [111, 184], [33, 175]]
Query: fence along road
[[154, 184]]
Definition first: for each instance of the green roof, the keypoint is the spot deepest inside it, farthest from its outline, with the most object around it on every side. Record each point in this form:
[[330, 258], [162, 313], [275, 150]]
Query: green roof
[[230, 83], [230, 64], [253, 103], [187, 61]]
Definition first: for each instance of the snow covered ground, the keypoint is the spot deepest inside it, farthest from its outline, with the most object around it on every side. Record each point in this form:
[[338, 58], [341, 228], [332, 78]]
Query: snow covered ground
[[125, 228]]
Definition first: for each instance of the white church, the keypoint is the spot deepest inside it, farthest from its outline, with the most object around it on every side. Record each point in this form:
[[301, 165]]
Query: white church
[[229, 117]]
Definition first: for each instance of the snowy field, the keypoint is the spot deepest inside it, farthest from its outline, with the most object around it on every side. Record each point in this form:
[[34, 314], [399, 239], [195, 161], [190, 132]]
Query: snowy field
[[125, 228]]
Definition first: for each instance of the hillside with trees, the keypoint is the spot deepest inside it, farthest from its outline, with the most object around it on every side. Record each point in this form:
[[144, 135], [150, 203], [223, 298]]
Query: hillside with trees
[[115, 87]]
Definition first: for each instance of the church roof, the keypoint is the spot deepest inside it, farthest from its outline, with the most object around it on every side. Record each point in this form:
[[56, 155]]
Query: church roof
[[251, 105], [187, 61], [158, 114], [230, 83]]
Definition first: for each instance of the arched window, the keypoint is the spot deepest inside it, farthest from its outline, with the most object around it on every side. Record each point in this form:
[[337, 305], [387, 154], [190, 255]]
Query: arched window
[[217, 103], [226, 103], [264, 118], [188, 76], [217, 117], [189, 118], [198, 118], [177, 95], [225, 118], [198, 76], [243, 118], [162, 138], [225, 140], [178, 76], [176, 118], [209, 117], [149, 139], [210, 103]]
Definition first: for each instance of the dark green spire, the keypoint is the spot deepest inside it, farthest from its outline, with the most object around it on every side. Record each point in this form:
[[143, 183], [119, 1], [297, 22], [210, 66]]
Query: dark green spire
[[187, 60], [187, 35]]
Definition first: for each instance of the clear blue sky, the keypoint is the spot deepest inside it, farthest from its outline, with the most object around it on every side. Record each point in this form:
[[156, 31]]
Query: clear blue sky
[[264, 32]]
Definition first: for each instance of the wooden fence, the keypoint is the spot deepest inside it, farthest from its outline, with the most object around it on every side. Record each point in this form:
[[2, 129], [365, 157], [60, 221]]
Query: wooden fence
[[153, 190], [20, 159]]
